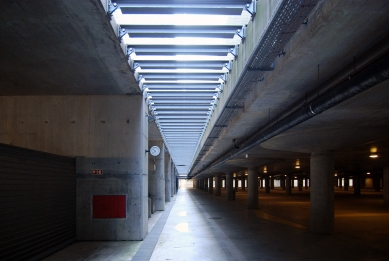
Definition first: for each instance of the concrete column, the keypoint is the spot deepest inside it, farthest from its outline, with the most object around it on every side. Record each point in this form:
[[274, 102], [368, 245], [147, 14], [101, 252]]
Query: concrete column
[[377, 183], [157, 177], [386, 186], [300, 183], [97, 128], [252, 185], [236, 183], [267, 184], [229, 186], [173, 183], [288, 185], [244, 182], [218, 185], [206, 184], [271, 182], [282, 181], [306, 183], [177, 184], [172, 178], [322, 193], [357, 183], [168, 178], [340, 182], [210, 185], [346, 182]]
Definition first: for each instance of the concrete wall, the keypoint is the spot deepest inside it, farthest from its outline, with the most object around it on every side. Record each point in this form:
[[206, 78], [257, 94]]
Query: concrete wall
[[103, 132]]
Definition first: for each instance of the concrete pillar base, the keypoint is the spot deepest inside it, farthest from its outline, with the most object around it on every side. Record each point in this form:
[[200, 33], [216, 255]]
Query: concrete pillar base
[[322, 193]]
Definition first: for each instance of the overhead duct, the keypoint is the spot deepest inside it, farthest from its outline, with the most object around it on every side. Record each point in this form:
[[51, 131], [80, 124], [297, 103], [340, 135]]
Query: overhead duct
[[363, 79]]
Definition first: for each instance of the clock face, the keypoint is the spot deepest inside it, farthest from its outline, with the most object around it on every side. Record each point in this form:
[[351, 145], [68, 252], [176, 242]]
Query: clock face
[[154, 151]]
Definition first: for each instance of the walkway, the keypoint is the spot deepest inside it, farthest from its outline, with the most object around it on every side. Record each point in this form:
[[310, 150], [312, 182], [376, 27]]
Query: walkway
[[203, 227]]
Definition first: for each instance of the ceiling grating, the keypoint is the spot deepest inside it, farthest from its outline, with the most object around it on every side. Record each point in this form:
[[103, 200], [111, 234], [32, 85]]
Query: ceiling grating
[[181, 53]]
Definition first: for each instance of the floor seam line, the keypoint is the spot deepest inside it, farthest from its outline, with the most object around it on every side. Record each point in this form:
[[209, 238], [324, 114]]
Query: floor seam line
[[147, 248]]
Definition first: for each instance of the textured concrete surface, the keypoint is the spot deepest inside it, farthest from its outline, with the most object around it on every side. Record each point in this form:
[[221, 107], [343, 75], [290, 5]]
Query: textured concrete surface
[[61, 48], [110, 132]]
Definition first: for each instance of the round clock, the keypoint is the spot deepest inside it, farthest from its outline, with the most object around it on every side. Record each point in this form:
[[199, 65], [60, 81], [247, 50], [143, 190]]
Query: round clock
[[154, 151]]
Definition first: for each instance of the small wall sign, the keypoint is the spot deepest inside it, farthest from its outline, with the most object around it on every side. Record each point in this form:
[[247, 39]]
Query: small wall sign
[[97, 172]]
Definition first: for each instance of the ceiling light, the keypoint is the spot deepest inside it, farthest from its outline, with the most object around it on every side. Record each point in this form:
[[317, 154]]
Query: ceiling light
[[264, 169], [297, 166], [373, 151]]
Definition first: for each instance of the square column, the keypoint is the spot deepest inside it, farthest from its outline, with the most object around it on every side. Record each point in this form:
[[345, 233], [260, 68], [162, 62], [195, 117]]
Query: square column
[[322, 193], [210, 185], [267, 184], [288, 185], [218, 185], [157, 176], [252, 185], [229, 186], [282, 181], [386, 186], [168, 178], [357, 183]]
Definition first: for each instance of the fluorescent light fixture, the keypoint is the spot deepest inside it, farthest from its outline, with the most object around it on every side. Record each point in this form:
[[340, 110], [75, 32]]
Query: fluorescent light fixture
[[182, 41]]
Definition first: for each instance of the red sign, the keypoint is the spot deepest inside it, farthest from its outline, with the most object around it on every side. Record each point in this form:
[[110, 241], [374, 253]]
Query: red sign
[[109, 206], [97, 172]]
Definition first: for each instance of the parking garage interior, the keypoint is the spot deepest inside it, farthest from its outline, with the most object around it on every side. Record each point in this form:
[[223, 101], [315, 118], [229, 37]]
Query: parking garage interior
[[194, 130]]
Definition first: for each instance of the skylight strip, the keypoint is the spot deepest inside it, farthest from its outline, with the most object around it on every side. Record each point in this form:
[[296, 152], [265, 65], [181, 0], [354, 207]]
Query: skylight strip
[[184, 5], [184, 91], [182, 19], [182, 41], [183, 81], [182, 57], [182, 70]]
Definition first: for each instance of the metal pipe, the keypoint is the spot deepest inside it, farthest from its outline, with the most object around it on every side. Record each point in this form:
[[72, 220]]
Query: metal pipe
[[362, 80]]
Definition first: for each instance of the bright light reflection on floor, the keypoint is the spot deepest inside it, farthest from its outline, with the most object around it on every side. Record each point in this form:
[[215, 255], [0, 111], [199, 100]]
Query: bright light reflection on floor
[[182, 213], [182, 227]]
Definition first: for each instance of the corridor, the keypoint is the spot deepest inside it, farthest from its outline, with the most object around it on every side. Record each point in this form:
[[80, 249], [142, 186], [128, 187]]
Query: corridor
[[197, 225]]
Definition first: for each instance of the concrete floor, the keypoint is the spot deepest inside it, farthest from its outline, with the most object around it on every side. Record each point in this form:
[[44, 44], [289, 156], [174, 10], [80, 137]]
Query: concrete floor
[[203, 227]]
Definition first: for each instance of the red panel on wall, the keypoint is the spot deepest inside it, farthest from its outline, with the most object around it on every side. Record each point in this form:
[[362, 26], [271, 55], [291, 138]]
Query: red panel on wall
[[109, 206]]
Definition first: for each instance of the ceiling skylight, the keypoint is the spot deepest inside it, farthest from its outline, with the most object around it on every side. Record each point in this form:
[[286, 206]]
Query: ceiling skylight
[[181, 62]]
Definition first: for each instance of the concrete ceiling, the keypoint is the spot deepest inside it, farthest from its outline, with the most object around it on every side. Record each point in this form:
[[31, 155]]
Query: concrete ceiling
[[60, 48], [340, 37], [69, 47]]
